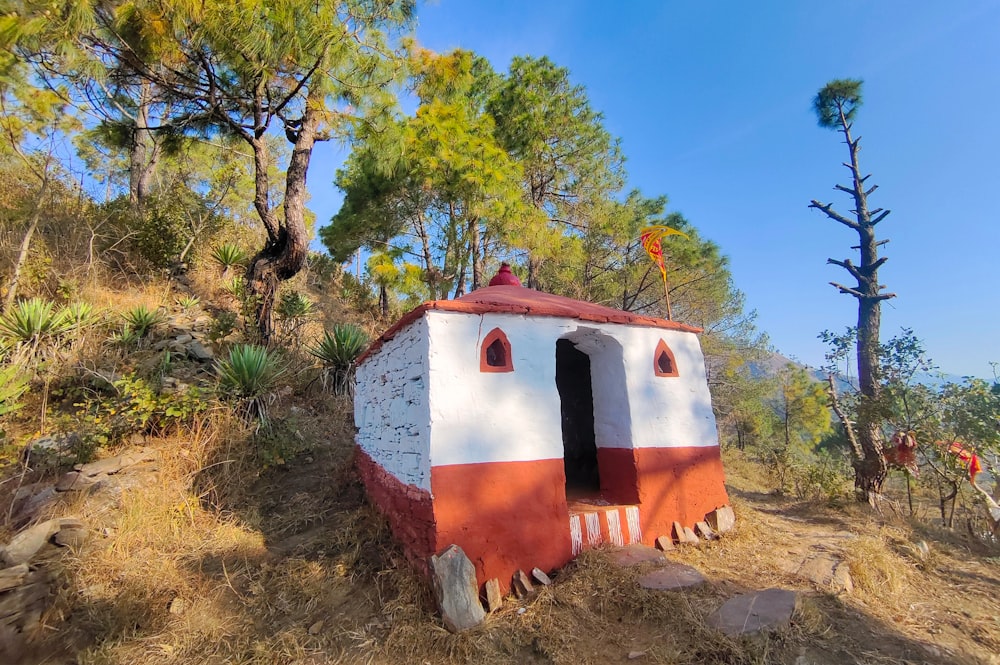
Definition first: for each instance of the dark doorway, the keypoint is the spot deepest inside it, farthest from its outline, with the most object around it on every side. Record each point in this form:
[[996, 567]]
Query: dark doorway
[[576, 400]]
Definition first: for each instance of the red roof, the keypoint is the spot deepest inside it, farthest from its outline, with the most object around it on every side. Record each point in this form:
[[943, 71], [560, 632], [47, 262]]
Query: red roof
[[519, 300]]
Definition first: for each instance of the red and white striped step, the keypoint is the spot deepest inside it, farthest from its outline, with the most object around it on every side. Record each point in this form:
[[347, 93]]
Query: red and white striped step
[[592, 525]]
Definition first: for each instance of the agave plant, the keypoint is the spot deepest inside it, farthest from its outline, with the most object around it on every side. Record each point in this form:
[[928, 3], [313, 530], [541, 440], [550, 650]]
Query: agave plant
[[228, 255], [248, 377], [188, 303], [142, 320], [293, 305], [13, 384], [79, 315], [30, 321], [338, 352]]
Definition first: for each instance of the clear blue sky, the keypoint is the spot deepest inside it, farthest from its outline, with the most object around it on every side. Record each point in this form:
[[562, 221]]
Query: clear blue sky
[[712, 102]]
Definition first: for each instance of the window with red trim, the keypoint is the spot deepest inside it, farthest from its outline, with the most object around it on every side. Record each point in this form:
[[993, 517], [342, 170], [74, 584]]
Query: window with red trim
[[495, 353], [663, 360]]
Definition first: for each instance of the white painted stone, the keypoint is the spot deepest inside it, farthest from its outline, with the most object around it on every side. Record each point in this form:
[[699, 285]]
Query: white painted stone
[[391, 406]]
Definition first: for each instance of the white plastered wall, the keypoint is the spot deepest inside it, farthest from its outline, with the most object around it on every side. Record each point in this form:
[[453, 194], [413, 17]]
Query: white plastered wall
[[391, 406], [515, 416]]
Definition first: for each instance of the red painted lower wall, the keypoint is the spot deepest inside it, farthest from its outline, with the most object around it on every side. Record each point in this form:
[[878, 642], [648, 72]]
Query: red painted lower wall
[[678, 484], [505, 515], [408, 508]]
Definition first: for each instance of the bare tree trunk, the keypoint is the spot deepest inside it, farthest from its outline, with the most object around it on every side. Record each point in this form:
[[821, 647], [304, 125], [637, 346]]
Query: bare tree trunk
[[25, 248], [870, 468]]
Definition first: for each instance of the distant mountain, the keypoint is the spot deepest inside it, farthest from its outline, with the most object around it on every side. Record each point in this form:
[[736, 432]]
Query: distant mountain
[[776, 362]]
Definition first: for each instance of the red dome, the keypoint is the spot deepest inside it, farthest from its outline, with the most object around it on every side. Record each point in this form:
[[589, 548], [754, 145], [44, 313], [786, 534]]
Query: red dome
[[505, 277]]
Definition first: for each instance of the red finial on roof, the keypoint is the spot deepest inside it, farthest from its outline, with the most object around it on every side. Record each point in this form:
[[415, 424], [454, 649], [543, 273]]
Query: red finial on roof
[[505, 277]]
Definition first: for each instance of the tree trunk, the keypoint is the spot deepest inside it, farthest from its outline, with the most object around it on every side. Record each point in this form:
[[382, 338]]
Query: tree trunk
[[284, 254], [25, 248], [144, 151], [477, 258]]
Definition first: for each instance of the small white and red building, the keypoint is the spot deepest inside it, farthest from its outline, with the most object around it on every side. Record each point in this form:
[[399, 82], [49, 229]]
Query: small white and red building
[[525, 427]]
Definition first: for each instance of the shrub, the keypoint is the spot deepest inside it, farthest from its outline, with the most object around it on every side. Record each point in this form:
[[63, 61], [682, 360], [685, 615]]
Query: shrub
[[338, 352], [248, 377], [223, 325]]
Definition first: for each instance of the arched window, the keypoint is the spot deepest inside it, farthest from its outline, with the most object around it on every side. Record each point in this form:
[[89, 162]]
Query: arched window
[[663, 360], [495, 354]]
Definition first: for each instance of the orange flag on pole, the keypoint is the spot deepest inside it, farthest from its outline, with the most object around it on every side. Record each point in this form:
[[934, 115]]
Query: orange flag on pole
[[651, 238]]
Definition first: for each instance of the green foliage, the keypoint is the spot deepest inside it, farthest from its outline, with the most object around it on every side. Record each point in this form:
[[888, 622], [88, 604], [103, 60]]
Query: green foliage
[[293, 305], [840, 96], [338, 352], [13, 384], [135, 405], [30, 322], [223, 325], [188, 303], [248, 377], [228, 255], [143, 320], [802, 407]]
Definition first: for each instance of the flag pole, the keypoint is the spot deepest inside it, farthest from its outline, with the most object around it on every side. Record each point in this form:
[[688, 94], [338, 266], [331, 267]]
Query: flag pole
[[666, 293]]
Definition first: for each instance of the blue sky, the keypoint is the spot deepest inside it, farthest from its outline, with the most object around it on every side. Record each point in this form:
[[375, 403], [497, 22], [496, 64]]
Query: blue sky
[[712, 101]]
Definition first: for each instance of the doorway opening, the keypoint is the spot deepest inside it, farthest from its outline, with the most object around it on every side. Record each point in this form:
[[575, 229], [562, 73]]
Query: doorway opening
[[576, 402]]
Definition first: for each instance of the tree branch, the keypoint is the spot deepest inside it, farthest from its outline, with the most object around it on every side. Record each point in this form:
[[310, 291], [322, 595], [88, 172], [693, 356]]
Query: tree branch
[[880, 217], [834, 215], [848, 266], [843, 289]]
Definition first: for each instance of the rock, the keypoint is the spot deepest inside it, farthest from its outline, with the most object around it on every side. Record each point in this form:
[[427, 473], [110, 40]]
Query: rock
[[722, 520], [111, 465], [27, 511], [638, 553], [521, 584], [456, 590], [539, 575], [671, 577], [684, 535], [705, 531], [666, 543], [770, 609], [494, 600], [184, 339], [827, 571], [74, 538], [25, 545], [74, 481], [24, 599], [14, 576], [316, 628], [632, 655], [200, 352], [55, 446]]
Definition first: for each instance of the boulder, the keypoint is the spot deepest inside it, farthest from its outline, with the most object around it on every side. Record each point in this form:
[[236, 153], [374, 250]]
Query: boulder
[[24, 546], [456, 590], [722, 520]]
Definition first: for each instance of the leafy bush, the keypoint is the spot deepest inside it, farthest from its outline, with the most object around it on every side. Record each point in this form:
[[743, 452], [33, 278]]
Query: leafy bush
[[248, 377], [293, 305], [133, 404], [338, 352], [223, 325]]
